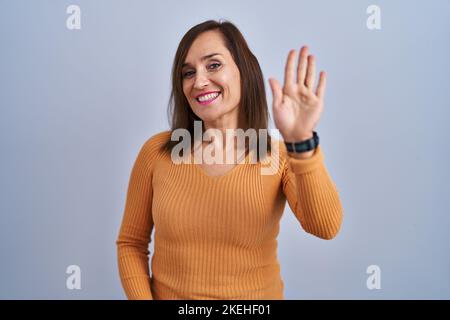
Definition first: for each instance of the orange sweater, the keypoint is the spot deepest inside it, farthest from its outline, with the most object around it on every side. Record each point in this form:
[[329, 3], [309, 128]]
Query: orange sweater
[[215, 237]]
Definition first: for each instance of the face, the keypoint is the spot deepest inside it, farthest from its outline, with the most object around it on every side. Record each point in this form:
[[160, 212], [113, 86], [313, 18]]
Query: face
[[217, 75]]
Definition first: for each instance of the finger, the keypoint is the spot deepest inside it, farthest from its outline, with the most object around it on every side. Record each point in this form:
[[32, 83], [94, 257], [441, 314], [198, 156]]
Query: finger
[[302, 65], [289, 76], [311, 72], [320, 92], [277, 93]]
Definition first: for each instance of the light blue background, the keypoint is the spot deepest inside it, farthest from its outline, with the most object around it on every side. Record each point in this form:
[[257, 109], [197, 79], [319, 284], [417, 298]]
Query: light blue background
[[76, 106]]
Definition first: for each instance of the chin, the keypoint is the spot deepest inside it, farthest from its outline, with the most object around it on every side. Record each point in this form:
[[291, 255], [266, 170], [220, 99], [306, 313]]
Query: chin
[[209, 114], [208, 117]]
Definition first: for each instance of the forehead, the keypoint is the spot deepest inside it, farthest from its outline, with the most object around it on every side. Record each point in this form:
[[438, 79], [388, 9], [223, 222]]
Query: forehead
[[206, 43]]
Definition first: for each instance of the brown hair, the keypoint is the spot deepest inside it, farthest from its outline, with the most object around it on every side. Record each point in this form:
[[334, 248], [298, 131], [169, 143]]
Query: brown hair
[[253, 102]]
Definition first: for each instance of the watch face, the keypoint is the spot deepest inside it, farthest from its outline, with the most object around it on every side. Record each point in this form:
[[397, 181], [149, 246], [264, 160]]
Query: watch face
[[303, 147]]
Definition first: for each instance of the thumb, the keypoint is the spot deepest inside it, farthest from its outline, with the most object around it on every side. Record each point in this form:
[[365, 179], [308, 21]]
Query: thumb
[[276, 92]]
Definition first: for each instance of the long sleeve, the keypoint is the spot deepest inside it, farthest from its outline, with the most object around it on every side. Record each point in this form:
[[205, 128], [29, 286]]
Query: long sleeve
[[312, 195], [136, 228]]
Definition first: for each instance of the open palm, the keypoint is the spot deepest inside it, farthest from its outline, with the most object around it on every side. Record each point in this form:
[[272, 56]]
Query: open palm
[[296, 107]]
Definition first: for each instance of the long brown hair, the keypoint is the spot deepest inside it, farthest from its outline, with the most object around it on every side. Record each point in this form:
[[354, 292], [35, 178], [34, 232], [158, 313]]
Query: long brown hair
[[253, 102]]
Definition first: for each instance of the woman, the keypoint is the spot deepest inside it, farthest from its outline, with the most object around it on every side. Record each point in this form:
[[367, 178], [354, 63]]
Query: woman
[[216, 224]]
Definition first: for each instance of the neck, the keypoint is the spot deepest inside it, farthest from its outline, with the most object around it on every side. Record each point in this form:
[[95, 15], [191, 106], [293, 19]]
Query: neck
[[218, 137]]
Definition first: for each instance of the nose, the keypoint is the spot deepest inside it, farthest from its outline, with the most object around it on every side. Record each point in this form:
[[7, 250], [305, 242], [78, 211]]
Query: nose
[[200, 81]]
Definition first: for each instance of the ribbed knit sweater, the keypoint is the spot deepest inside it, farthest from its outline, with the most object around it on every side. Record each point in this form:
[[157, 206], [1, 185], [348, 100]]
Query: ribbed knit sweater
[[215, 237]]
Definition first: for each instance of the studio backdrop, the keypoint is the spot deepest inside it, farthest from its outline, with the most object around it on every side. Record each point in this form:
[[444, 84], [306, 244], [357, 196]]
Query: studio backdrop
[[83, 84]]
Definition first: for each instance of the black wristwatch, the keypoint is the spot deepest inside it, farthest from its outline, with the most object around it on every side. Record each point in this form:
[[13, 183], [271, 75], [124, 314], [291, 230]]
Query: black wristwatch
[[303, 146]]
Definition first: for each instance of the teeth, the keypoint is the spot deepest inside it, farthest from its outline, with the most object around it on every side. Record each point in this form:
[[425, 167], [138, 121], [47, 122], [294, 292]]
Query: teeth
[[208, 97]]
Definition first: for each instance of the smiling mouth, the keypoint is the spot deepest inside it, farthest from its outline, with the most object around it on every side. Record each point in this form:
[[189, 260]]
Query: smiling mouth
[[209, 100]]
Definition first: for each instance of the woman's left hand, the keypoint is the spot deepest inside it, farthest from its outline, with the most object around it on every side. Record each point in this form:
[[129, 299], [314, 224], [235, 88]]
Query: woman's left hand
[[296, 107]]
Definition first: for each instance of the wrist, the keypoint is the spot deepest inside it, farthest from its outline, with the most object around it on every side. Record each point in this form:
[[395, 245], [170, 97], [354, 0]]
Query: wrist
[[304, 145]]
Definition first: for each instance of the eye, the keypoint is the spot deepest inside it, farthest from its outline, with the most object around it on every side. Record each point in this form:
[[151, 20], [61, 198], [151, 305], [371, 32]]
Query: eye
[[187, 74], [212, 66], [215, 64]]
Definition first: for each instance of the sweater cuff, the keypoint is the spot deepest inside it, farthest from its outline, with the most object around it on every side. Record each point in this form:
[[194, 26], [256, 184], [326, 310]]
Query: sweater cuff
[[300, 166], [138, 288]]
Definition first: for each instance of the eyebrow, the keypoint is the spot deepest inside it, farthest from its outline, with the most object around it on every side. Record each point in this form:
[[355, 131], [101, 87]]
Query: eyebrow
[[202, 58]]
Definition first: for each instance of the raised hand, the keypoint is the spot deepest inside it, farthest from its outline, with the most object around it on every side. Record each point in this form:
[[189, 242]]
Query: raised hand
[[296, 106]]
